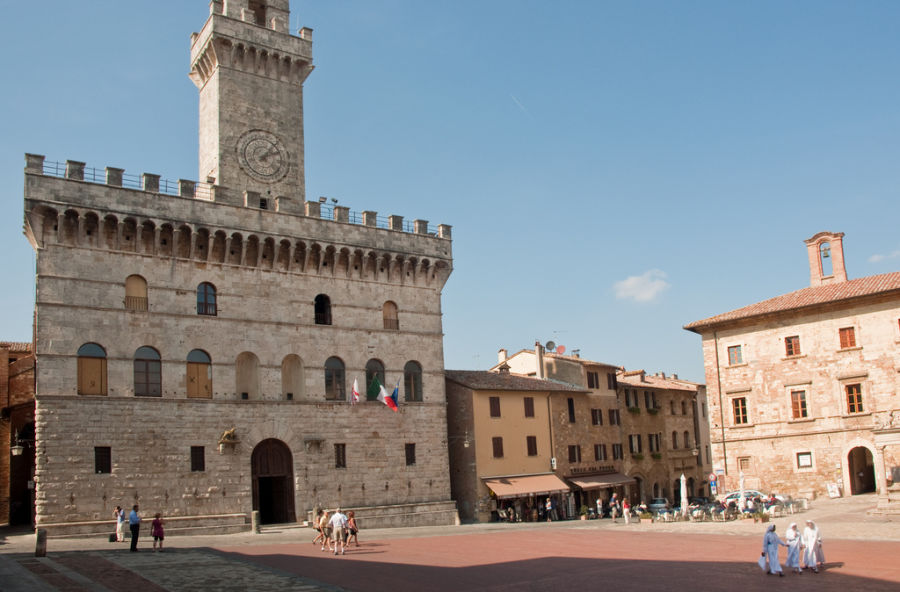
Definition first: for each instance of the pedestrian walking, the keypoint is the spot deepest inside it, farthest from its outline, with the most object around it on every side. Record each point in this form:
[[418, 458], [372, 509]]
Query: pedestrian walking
[[794, 540], [614, 507], [338, 524], [119, 515], [548, 506], [770, 550], [157, 532], [352, 528], [134, 523], [325, 528], [320, 536], [626, 510], [813, 556]]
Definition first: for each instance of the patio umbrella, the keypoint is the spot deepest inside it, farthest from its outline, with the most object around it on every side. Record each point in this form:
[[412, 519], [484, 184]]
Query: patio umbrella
[[684, 500], [741, 482]]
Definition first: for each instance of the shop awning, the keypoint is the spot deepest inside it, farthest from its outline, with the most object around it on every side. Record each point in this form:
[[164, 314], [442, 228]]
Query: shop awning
[[508, 487], [601, 481]]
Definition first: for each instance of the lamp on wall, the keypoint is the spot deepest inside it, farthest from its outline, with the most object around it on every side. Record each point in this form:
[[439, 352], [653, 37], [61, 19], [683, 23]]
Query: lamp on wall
[[18, 448]]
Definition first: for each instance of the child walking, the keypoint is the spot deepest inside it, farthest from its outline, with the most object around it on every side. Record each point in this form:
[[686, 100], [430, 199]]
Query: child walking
[[156, 530]]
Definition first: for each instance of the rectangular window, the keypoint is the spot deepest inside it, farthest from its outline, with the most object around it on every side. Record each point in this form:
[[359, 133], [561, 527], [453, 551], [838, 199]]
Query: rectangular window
[[848, 337], [617, 452], [734, 355], [571, 404], [498, 447], [739, 406], [531, 444], [593, 380], [798, 404], [102, 459], [410, 454], [854, 398], [198, 459], [653, 442], [611, 381], [495, 406], [744, 463], [792, 345], [804, 460], [613, 417], [529, 406], [575, 453], [704, 409], [599, 451], [340, 456], [597, 417], [635, 445], [648, 403]]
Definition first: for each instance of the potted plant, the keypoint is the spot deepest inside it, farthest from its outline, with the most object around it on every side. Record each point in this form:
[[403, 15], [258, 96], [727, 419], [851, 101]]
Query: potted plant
[[634, 410], [583, 512], [656, 455]]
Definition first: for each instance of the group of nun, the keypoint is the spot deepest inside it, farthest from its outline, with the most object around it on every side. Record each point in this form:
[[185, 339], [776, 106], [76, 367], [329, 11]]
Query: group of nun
[[808, 545]]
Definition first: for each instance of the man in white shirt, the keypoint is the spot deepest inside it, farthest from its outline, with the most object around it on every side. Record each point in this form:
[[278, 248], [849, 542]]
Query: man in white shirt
[[338, 524]]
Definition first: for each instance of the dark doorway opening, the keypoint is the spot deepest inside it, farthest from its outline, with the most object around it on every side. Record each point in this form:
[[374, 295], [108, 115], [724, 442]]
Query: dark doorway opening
[[862, 470], [273, 482]]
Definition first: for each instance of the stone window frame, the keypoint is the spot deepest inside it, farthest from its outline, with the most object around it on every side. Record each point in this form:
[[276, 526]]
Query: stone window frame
[[593, 379], [494, 404], [618, 451], [412, 382], [596, 416], [805, 453], [102, 460], [600, 452], [497, 446], [207, 299], [792, 346], [742, 413], [574, 453], [847, 338], [340, 455], [410, 450], [198, 459], [735, 355], [528, 404], [147, 363]]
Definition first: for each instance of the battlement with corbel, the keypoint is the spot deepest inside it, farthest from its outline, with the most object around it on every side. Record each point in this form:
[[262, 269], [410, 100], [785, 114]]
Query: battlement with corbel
[[75, 193]]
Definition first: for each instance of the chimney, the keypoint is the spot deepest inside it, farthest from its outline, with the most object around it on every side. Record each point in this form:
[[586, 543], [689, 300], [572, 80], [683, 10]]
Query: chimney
[[826, 258], [662, 375], [675, 377], [502, 355], [539, 358], [503, 369]]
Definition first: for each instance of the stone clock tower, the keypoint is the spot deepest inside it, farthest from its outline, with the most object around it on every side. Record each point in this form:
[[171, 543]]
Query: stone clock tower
[[250, 71]]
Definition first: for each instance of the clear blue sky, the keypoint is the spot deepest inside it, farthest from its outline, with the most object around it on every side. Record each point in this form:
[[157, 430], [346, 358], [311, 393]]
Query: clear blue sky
[[611, 170]]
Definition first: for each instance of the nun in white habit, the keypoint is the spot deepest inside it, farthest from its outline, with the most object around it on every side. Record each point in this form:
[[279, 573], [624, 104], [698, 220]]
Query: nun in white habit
[[813, 556], [770, 550], [793, 540]]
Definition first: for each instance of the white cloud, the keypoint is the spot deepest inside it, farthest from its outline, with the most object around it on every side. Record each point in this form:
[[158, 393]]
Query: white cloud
[[642, 288], [879, 257]]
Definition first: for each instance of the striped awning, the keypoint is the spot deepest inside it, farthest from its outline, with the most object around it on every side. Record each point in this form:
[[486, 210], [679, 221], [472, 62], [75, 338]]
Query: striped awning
[[509, 487]]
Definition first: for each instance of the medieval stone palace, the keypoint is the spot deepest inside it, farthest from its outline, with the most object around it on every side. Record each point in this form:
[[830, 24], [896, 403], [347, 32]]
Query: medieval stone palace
[[197, 342]]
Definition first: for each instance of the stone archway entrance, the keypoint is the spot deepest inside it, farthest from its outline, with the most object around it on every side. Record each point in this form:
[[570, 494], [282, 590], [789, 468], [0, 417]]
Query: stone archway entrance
[[272, 469], [862, 470]]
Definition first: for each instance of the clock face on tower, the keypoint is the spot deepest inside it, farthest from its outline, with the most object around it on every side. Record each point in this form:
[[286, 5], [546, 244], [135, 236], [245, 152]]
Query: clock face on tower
[[262, 156]]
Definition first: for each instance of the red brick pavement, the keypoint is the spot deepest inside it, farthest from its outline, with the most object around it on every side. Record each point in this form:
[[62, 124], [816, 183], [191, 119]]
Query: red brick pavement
[[576, 559]]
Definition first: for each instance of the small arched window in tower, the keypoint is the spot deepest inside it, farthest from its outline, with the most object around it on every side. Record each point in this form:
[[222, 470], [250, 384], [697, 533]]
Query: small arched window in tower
[[684, 408], [258, 8], [391, 320], [323, 309], [147, 372], [91, 370], [206, 299], [825, 259], [135, 293], [199, 375], [674, 440], [412, 381], [687, 439], [334, 380], [374, 371]]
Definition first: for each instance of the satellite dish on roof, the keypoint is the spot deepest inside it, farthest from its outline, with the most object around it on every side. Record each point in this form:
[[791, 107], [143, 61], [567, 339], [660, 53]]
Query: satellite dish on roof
[[550, 345], [561, 349]]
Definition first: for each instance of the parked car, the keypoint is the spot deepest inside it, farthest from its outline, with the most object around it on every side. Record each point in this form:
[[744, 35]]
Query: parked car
[[749, 493], [659, 504]]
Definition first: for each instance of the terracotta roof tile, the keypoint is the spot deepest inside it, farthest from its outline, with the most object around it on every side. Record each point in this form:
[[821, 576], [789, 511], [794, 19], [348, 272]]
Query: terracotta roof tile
[[808, 297], [19, 347], [654, 381], [503, 381]]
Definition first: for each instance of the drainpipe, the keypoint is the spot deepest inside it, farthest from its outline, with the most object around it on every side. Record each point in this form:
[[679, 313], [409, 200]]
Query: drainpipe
[[721, 406]]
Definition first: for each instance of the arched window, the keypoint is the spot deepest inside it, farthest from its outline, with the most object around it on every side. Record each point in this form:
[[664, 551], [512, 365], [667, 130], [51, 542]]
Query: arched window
[[374, 369], [199, 375], [246, 375], [391, 320], [323, 310], [147, 373], [825, 259], [91, 370], [412, 381], [684, 408], [334, 380], [135, 293], [674, 440], [672, 407], [206, 299], [292, 377], [687, 439]]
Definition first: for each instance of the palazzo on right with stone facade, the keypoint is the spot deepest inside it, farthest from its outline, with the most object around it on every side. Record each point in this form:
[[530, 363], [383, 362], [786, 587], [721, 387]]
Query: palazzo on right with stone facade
[[803, 387]]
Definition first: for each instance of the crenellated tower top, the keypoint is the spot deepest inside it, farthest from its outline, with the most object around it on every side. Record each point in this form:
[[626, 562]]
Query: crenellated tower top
[[250, 72]]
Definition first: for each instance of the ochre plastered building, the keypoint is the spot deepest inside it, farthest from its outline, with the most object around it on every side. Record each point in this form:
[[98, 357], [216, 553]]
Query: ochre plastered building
[[196, 341], [803, 386]]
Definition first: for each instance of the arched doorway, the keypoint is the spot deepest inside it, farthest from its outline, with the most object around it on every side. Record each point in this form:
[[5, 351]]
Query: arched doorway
[[862, 470], [273, 482]]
